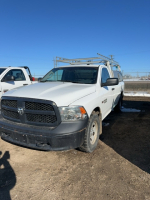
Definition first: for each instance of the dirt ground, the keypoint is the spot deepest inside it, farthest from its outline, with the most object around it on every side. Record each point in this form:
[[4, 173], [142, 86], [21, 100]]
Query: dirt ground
[[118, 169]]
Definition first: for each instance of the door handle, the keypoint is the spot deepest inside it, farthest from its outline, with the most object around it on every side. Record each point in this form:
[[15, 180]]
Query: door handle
[[113, 88], [25, 84]]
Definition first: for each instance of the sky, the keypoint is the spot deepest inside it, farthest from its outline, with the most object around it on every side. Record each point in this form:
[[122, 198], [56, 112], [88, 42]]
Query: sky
[[34, 32]]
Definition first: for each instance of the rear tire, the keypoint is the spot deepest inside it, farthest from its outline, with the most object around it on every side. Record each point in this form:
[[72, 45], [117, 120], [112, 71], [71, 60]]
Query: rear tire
[[92, 134]]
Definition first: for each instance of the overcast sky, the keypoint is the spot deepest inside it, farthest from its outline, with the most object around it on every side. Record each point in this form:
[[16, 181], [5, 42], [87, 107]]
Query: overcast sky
[[33, 32]]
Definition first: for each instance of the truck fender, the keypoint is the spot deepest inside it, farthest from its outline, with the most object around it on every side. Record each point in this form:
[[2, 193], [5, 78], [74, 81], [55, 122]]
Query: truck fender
[[98, 112]]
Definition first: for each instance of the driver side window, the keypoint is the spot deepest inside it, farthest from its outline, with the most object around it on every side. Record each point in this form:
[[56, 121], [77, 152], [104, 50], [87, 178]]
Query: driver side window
[[105, 75]]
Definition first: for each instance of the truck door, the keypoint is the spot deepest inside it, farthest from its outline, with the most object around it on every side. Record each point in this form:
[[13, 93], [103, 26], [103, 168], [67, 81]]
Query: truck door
[[107, 94], [19, 80]]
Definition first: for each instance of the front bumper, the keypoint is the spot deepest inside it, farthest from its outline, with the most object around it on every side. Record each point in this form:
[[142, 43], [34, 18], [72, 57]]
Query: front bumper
[[67, 135]]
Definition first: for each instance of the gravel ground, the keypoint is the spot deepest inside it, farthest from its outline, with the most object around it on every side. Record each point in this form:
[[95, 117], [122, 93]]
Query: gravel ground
[[118, 169]]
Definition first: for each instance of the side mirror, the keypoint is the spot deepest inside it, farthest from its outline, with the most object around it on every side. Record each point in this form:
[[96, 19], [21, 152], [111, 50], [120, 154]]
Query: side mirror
[[110, 81], [8, 78]]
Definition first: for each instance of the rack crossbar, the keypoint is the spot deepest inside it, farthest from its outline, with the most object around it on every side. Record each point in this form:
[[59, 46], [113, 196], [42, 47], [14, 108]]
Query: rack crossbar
[[91, 60]]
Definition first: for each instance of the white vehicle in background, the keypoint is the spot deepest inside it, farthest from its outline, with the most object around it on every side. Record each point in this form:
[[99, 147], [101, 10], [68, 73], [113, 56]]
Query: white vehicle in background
[[13, 77], [65, 110]]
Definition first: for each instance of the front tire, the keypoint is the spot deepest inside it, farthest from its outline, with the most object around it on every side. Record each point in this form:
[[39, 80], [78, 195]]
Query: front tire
[[92, 134]]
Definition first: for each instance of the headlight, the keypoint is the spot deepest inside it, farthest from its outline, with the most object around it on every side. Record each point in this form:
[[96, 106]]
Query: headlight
[[72, 113]]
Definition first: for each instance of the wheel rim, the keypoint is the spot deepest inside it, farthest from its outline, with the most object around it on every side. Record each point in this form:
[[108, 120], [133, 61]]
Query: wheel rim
[[93, 132]]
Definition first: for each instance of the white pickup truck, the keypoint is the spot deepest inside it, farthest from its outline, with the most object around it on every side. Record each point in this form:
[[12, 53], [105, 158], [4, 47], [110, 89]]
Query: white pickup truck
[[13, 77], [65, 110]]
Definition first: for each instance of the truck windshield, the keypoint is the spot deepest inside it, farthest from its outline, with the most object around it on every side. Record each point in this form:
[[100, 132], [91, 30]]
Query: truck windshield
[[2, 69], [83, 75]]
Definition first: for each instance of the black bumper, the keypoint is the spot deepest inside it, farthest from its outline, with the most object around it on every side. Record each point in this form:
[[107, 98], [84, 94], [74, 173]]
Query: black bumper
[[67, 135]]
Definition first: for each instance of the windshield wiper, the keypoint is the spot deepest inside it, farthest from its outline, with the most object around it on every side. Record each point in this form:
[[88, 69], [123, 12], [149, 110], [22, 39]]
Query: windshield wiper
[[48, 81], [77, 82], [73, 82], [42, 81], [62, 81]]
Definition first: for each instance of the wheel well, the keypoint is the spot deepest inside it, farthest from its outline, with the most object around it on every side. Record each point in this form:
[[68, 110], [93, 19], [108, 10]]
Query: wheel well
[[97, 109], [122, 92]]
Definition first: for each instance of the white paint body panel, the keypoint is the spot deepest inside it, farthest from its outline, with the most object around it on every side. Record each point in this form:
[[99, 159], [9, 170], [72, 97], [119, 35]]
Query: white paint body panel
[[63, 94], [90, 96]]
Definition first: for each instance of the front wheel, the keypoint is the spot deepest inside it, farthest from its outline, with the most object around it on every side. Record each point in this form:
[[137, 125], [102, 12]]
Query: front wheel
[[92, 134]]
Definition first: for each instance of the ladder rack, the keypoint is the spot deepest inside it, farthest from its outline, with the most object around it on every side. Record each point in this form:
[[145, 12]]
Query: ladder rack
[[88, 61]]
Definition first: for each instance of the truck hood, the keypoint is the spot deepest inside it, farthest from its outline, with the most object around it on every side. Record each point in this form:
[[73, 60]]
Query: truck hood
[[61, 93]]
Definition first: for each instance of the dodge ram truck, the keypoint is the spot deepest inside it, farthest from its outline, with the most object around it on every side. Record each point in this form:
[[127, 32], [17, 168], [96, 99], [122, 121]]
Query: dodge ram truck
[[65, 109]]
